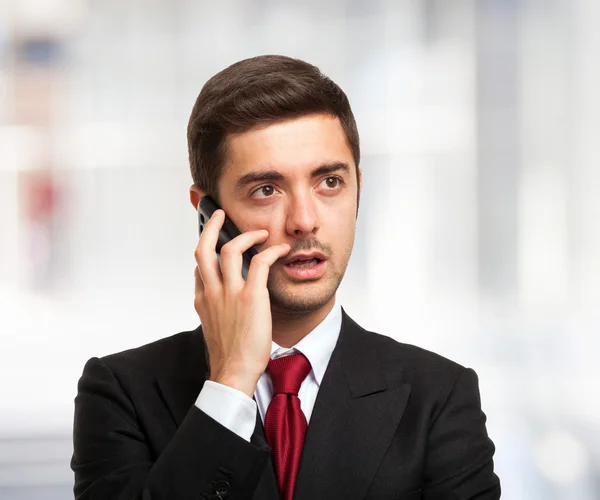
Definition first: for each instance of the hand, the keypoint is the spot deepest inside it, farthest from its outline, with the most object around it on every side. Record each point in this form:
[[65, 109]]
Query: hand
[[235, 314]]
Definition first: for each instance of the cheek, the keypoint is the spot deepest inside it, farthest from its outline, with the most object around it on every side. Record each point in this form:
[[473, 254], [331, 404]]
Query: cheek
[[340, 230], [270, 221], [346, 234]]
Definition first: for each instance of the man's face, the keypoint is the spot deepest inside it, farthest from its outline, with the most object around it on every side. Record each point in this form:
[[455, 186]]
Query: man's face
[[297, 179]]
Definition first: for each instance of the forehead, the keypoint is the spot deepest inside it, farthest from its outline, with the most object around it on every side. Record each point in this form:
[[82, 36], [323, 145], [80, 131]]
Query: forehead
[[289, 146]]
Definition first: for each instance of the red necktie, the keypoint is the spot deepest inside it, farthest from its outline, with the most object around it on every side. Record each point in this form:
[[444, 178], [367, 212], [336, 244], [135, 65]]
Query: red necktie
[[285, 424]]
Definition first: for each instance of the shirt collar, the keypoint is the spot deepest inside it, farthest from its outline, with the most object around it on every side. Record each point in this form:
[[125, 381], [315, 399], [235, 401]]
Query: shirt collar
[[318, 344]]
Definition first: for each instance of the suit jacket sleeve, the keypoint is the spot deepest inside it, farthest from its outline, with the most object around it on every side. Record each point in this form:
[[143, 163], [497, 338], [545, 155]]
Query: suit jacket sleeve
[[459, 461], [112, 461]]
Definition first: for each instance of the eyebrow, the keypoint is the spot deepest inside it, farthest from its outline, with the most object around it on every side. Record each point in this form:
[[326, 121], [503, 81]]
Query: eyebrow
[[274, 175]]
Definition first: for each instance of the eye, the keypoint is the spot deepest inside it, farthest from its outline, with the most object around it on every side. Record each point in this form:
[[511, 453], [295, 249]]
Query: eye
[[332, 182], [264, 191]]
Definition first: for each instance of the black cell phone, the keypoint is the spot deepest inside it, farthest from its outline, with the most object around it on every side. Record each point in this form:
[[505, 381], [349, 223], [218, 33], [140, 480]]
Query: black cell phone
[[206, 208]]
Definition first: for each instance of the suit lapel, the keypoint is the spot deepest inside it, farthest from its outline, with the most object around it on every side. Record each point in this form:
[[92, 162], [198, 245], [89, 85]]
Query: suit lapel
[[179, 389], [357, 411], [267, 485]]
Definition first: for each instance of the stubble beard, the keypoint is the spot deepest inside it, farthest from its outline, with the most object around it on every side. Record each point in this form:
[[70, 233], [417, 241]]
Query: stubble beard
[[299, 299]]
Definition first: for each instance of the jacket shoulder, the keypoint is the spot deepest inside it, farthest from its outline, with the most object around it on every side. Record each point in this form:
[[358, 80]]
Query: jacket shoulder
[[413, 356], [423, 369], [432, 377], [167, 355], [391, 352]]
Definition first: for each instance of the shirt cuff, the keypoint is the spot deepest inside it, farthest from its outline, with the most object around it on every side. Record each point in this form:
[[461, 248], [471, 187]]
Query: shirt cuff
[[228, 406]]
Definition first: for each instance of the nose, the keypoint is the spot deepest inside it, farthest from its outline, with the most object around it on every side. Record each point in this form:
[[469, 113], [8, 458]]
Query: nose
[[302, 219]]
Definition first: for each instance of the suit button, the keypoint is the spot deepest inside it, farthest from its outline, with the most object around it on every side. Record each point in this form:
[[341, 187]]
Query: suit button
[[222, 488]]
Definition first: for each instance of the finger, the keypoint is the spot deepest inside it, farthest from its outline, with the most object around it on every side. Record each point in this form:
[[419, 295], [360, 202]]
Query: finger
[[198, 283], [231, 256], [261, 264], [206, 255], [198, 291]]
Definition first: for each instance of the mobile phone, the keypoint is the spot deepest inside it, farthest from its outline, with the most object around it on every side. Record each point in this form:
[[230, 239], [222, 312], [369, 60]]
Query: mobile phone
[[206, 208]]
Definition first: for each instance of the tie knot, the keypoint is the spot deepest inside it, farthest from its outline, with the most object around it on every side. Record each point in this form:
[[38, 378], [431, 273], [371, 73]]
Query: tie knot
[[288, 372]]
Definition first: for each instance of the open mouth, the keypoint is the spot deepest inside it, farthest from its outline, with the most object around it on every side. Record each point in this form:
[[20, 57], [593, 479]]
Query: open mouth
[[304, 262]]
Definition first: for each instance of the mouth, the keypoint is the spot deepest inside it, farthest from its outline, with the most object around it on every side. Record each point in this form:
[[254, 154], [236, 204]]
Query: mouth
[[305, 266], [304, 263], [303, 260]]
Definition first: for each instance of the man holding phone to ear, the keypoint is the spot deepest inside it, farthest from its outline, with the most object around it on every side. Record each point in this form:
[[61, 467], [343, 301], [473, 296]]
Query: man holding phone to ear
[[278, 393]]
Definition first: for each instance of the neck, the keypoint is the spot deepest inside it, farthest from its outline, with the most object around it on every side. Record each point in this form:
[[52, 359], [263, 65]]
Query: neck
[[289, 329]]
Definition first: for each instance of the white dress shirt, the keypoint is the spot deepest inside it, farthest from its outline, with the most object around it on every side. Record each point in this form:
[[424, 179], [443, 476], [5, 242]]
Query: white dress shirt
[[236, 411]]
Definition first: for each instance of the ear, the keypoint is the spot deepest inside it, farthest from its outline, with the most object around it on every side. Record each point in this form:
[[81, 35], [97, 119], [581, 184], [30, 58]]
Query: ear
[[359, 180], [196, 194], [358, 190]]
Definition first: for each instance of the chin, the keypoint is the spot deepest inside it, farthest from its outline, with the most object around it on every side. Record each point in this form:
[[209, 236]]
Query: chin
[[301, 298]]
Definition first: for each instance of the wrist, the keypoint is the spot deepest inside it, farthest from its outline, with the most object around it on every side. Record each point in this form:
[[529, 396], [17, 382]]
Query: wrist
[[242, 383]]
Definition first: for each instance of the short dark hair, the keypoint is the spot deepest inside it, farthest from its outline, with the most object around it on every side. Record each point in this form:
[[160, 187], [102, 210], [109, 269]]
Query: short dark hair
[[259, 91]]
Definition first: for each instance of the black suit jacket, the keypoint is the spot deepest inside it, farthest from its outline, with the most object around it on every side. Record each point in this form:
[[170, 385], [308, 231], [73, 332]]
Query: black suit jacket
[[391, 421]]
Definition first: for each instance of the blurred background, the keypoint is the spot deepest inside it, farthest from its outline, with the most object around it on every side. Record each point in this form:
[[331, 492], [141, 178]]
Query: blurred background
[[478, 234]]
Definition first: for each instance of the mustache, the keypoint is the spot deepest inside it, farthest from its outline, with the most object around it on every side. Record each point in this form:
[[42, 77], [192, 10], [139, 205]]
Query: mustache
[[311, 244]]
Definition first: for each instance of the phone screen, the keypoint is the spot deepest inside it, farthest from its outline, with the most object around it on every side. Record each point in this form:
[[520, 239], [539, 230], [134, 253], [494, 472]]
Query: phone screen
[[206, 208]]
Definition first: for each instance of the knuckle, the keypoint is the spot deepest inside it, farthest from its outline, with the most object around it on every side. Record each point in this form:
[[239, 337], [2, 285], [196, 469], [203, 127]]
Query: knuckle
[[199, 303], [232, 290], [246, 298], [199, 253], [228, 249], [261, 259], [210, 295]]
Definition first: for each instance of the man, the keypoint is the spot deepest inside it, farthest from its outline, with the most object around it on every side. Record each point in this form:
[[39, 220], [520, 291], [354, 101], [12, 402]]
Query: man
[[278, 393]]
